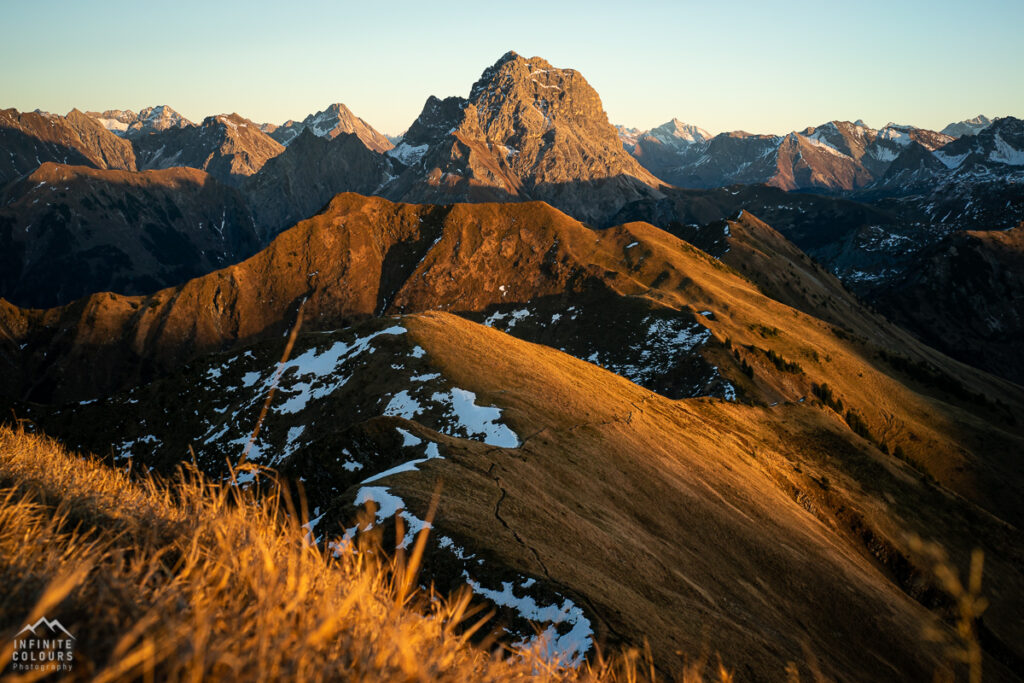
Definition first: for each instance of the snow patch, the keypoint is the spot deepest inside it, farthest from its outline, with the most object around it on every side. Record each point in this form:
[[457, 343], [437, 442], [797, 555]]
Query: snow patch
[[478, 421], [426, 377], [514, 317], [567, 649], [432, 453], [950, 160], [317, 371], [388, 506], [408, 154], [403, 405], [1005, 154], [408, 438], [883, 153], [820, 142]]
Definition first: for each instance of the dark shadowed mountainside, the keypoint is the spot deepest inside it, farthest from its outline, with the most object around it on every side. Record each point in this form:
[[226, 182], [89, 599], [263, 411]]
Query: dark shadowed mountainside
[[965, 296], [33, 138], [300, 181], [69, 231]]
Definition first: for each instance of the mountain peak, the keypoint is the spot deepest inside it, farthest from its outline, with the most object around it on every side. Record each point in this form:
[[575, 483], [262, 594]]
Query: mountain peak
[[676, 132], [511, 67], [528, 130], [162, 117], [333, 121], [335, 109], [968, 126], [507, 57], [233, 119], [127, 123]]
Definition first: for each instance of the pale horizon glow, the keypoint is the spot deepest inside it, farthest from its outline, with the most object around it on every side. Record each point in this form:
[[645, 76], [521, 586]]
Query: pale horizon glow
[[761, 66]]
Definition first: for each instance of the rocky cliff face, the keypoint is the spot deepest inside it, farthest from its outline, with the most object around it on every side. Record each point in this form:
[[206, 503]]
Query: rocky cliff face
[[527, 131], [69, 231]]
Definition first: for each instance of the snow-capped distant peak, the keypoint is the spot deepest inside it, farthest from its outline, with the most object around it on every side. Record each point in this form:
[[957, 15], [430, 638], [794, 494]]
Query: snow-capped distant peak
[[968, 126], [333, 121], [897, 133], [114, 126], [162, 113], [115, 120], [149, 119], [676, 133]]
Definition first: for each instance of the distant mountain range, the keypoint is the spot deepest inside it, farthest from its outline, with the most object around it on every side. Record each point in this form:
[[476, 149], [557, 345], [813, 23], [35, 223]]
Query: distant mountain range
[[527, 131], [839, 156]]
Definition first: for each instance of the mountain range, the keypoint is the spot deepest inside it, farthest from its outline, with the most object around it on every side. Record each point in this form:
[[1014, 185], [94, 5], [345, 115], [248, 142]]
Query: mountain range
[[837, 157], [529, 131], [674, 388]]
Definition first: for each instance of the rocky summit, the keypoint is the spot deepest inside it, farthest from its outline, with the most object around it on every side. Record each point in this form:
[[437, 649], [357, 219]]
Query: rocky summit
[[527, 130], [330, 123]]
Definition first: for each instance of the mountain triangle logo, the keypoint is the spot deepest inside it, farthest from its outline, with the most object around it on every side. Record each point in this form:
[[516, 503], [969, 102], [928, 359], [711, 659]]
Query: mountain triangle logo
[[45, 647]]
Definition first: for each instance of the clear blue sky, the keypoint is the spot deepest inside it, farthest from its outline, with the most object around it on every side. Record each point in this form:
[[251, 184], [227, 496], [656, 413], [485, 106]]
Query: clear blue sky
[[757, 65]]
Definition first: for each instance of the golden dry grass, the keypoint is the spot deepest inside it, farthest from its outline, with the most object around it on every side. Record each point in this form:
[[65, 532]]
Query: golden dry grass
[[187, 580]]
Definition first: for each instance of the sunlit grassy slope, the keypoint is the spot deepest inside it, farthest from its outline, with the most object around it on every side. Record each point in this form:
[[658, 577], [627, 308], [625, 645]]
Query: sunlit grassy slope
[[188, 580]]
